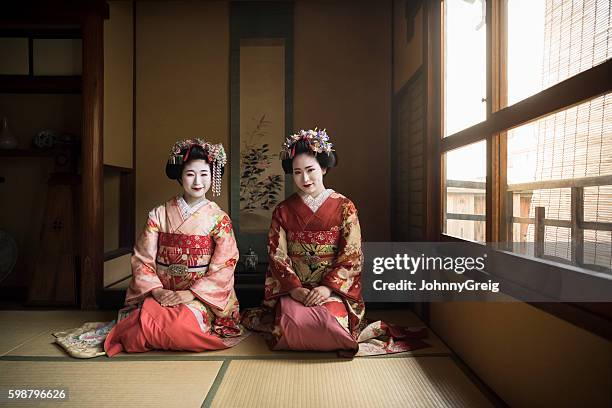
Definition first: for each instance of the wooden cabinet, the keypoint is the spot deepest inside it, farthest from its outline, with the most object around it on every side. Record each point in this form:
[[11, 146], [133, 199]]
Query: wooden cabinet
[[82, 20]]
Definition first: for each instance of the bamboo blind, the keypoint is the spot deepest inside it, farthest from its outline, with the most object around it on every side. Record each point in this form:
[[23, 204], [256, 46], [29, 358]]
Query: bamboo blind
[[576, 142]]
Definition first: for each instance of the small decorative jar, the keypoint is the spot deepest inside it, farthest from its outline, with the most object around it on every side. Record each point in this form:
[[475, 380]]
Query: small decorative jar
[[250, 261], [7, 139], [45, 139]]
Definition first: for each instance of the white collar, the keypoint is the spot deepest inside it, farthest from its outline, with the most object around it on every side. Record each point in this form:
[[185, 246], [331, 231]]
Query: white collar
[[315, 203], [187, 210]]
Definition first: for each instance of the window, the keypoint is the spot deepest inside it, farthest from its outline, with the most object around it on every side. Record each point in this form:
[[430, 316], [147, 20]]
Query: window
[[465, 64], [465, 183], [464, 105], [562, 164], [550, 41], [540, 142]]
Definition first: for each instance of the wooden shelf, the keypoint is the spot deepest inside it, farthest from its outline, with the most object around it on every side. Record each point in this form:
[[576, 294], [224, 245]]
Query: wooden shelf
[[118, 169], [32, 152], [116, 253], [40, 84]]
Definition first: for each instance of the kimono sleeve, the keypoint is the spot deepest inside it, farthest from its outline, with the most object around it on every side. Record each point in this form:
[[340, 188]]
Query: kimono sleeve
[[280, 277], [216, 287], [344, 277], [144, 272]]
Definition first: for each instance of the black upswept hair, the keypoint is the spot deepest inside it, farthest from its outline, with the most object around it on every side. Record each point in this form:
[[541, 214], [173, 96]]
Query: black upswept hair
[[175, 171], [326, 160]]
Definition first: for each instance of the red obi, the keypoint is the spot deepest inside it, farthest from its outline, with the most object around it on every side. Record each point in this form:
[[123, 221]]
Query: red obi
[[314, 237], [180, 249]]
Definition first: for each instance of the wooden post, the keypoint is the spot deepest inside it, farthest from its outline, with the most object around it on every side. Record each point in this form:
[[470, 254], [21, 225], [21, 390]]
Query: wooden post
[[92, 199], [540, 216], [496, 142], [433, 60], [508, 230], [577, 217]]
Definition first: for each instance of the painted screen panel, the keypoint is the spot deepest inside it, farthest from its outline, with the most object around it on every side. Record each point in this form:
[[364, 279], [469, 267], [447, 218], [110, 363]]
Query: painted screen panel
[[262, 126]]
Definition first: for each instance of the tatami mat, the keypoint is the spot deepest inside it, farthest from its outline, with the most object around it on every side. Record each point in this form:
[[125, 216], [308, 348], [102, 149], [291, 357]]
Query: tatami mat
[[44, 345], [18, 327], [399, 382], [248, 374], [115, 384]]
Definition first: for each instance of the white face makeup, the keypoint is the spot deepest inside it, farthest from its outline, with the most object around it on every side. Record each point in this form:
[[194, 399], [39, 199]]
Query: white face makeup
[[196, 180], [308, 174]]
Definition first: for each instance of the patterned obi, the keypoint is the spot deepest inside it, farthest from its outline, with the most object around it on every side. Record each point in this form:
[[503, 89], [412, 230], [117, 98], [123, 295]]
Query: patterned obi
[[182, 258], [312, 253]]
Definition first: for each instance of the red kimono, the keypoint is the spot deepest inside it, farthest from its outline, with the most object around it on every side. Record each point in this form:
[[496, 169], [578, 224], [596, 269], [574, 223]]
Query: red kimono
[[181, 248], [314, 242]]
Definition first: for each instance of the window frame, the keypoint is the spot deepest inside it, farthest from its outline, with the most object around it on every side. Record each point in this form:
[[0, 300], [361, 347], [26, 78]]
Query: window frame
[[595, 317]]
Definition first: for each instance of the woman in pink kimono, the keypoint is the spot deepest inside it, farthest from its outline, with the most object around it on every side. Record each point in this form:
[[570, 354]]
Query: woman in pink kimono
[[181, 296], [312, 297]]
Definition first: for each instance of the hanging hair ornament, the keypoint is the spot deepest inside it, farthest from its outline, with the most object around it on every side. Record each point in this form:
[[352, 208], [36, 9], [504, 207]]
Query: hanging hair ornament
[[317, 140], [215, 153]]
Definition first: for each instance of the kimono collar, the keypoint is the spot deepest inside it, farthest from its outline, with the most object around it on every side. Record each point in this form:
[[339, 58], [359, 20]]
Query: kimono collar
[[186, 210], [315, 203]]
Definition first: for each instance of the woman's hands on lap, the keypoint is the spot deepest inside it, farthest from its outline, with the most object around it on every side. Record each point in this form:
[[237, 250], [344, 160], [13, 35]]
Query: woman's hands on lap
[[299, 294], [317, 296], [172, 298], [159, 293]]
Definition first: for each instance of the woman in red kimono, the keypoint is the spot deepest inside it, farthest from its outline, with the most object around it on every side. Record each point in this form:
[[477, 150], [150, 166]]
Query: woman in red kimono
[[312, 295], [181, 296]]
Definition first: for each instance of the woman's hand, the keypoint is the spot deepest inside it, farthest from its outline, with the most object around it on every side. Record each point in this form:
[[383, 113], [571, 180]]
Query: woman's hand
[[160, 293], [175, 298], [317, 296], [299, 294]]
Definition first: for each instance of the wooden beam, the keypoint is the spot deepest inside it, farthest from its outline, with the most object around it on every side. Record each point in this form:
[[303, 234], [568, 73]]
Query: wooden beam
[[579, 88], [585, 225], [433, 60], [547, 222], [508, 222], [92, 192], [478, 185], [42, 14], [565, 183], [500, 229], [540, 216], [466, 217], [577, 216], [599, 226], [492, 197], [40, 85], [491, 147]]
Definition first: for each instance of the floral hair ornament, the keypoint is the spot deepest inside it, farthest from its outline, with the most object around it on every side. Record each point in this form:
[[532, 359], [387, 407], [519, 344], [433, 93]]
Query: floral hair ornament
[[215, 153], [317, 140]]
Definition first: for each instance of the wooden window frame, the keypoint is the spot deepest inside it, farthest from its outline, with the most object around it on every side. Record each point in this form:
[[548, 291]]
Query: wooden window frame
[[589, 84]]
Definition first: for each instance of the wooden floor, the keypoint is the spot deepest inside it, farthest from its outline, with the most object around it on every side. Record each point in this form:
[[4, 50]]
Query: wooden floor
[[248, 375]]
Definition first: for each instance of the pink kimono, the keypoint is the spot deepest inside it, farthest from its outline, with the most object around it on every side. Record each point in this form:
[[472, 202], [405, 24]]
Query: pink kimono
[[315, 242], [181, 248]]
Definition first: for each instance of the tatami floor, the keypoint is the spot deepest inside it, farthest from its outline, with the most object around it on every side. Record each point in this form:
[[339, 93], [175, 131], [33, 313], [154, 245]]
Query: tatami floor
[[248, 375]]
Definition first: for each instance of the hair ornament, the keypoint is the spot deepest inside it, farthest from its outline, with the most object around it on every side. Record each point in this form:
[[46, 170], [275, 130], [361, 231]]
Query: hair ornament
[[180, 151], [317, 141]]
